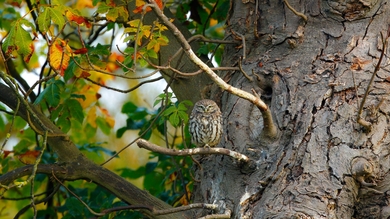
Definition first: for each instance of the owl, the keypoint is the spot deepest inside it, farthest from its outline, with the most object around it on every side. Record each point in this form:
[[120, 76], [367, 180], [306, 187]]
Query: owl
[[205, 124]]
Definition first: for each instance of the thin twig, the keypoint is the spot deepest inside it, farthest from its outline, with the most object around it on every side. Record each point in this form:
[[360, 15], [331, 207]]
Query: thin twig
[[360, 120], [34, 172], [256, 18], [243, 44], [78, 198], [124, 91], [295, 11], [8, 135], [242, 70]]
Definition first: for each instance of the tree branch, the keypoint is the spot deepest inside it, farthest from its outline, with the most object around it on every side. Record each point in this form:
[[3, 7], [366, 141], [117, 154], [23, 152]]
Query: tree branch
[[74, 165], [270, 128], [186, 152]]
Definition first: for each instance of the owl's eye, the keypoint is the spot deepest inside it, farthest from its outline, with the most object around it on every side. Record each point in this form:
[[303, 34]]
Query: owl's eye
[[209, 108], [201, 108]]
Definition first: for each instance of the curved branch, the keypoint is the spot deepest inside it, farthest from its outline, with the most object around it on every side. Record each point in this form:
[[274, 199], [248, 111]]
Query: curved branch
[[270, 128], [223, 151]]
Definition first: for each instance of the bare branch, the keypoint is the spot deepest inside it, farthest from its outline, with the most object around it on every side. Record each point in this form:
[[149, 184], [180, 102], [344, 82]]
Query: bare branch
[[360, 120], [219, 81], [187, 49], [295, 11], [124, 91], [186, 152]]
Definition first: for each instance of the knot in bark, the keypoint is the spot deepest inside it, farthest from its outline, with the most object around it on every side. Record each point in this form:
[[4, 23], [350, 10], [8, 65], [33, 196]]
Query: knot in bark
[[363, 171]]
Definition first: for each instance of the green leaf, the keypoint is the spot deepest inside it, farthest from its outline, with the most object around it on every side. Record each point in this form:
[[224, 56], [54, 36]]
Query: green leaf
[[99, 50], [134, 124], [169, 110], [145, 135], [8, 43], [64, 122], [132, 174], [23, 43], [134, 112], [19, 39], [103, 8], [174, 119], [150, 166], [152, 54], [112, 14], [103, 125], [50, 14], [76, 110], [120, 132], [128, 107], [79, 96], [69, 71], [44, 20], [51, 93], [73, 207], [95, 2], [183, 116], [89, 131], [162, 97], [56, 112], [57, 17]]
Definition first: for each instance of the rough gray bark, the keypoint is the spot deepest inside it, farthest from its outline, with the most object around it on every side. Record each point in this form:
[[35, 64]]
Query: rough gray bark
[[323, 164]]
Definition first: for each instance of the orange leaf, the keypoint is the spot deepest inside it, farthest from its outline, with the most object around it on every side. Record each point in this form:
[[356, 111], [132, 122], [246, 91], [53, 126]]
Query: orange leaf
[[6, 153], [77, 18], [59, 55], [28, 56], [139, 4], [112, 65], [80, 51], [29, 157], [84, 74]]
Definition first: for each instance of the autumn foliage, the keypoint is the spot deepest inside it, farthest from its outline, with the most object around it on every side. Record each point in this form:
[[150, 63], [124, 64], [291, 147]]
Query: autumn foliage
[[62, 58]]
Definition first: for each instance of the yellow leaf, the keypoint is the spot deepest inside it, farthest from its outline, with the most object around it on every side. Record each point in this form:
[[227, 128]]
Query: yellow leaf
[[109, 119], [59, 56], [91, 117], [84, 4], [134, 23], [91, 95]]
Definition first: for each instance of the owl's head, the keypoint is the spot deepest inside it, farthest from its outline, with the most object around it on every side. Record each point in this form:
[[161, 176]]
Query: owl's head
[[206, 106]]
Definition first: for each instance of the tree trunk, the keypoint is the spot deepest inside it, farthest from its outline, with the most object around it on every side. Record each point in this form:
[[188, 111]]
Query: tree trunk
[[313, 75]]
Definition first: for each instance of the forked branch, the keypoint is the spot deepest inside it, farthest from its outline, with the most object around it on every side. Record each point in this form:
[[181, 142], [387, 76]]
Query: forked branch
[[269, 130]]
